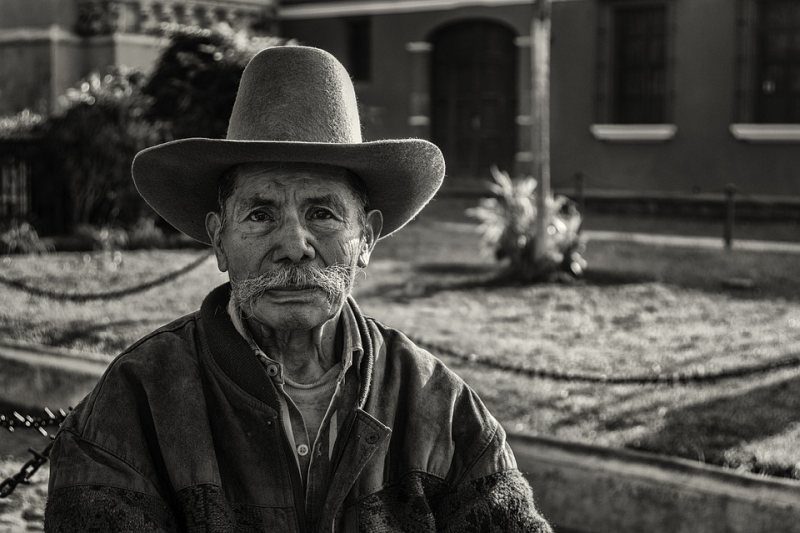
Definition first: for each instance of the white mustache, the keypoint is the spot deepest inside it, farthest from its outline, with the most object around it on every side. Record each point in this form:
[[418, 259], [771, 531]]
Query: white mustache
[[333, 280]]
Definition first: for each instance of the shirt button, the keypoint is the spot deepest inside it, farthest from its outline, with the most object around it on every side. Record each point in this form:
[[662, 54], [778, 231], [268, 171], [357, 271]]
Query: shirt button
[[272, 371], [302, 450]]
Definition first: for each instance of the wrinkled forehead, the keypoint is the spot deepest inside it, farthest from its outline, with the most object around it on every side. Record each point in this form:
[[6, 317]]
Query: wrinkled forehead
[[294, 179]]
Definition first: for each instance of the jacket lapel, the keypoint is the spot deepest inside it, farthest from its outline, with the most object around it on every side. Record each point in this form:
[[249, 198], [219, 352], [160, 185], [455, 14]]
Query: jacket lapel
[[366, 436]]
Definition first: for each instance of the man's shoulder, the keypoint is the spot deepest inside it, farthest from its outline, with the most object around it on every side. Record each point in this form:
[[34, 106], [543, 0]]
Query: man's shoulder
[[178, 332], [148, 369], [402, 352]]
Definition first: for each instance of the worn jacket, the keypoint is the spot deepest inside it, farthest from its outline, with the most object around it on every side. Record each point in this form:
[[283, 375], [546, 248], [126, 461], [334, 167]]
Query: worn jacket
[[182, 432]]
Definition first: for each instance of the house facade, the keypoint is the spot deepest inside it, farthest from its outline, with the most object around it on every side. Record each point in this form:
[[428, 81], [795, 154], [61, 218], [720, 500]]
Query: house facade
[[659, 97], [648, 97], [47, 46]]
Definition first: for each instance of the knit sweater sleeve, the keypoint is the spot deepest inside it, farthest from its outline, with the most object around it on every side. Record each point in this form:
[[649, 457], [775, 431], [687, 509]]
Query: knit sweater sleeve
[[501, 502], [93, 490]]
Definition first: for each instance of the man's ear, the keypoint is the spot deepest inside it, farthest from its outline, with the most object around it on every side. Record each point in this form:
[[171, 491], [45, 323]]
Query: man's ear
[[214, 230], [372, 232]]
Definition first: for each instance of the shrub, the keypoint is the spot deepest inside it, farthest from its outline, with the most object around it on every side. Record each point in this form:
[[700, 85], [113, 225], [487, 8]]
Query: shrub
[[194, 83], [146, 234], [508, 225], [23, 124], [93, 139], [105, 238], [21, 238]]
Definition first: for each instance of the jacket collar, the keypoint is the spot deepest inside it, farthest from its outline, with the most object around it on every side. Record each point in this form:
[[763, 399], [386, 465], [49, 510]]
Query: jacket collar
[[348, 337], [235, 357]]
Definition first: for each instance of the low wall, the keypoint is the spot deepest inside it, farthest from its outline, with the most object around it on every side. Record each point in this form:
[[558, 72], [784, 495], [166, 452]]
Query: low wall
[[580, 488], [588, 489]]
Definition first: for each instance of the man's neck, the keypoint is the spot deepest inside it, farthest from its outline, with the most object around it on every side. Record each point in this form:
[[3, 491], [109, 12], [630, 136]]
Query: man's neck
[[305, 354]]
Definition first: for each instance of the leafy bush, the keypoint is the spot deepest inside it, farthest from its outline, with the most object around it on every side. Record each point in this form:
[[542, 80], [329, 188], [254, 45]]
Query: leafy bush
[[146, 234], [93, 139], [508, 225], [21, 238], [105, 238], [24, 123], [194, 83]]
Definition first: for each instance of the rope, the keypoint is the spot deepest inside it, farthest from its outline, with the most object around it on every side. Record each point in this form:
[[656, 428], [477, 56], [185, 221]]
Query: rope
[[678, 378], [108, 295]]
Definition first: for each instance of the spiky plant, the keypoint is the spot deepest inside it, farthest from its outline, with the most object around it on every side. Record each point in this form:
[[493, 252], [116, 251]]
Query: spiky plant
[[508, 228]]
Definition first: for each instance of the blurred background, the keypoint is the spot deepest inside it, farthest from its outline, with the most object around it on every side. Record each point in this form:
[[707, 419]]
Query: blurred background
[[663, 249]]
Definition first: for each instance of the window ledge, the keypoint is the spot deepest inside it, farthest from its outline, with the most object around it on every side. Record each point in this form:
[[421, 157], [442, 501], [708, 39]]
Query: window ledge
[[640, 133], [766, 132]]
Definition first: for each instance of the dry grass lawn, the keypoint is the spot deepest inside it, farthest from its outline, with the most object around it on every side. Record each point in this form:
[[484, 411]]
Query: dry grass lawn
[[641, 309]]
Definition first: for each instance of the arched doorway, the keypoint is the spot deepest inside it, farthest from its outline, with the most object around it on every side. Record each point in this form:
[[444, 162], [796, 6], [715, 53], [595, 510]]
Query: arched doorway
[[474, 96]]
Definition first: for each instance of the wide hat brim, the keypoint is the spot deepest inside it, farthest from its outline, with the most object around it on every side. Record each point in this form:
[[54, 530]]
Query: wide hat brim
[[179, 179]]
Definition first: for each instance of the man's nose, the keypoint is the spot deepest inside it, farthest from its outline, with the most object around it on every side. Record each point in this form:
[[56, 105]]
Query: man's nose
[[293, 242]]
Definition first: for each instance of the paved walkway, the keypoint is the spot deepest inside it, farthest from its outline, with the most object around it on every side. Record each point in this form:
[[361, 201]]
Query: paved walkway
[[42, 355], [680, 241]]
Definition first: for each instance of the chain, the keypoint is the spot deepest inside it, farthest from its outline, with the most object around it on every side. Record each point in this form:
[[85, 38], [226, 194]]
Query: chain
[[16, 420], [38, 423], [109, 295], [25, 473], [674, 379]]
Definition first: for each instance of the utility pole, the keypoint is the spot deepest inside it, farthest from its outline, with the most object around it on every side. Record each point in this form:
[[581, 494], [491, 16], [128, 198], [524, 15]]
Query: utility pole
[[540, 115]]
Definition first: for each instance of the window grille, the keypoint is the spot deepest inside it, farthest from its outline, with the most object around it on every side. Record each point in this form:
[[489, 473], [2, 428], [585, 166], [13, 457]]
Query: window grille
[[15, 197], [639, 90], [777, 89]]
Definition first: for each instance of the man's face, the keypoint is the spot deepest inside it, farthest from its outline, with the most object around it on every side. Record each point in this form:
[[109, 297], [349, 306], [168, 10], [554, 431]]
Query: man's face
[[289, 219]]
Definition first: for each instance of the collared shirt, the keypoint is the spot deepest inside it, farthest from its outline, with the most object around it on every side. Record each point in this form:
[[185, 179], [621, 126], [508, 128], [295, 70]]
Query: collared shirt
[[313, 453]]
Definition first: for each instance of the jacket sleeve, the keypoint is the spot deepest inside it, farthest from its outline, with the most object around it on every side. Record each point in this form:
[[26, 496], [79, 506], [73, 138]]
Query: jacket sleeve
[[489, 493], [93, 490]]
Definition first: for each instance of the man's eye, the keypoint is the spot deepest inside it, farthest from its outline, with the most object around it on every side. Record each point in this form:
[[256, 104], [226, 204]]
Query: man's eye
[[321, 214], [259, 216]]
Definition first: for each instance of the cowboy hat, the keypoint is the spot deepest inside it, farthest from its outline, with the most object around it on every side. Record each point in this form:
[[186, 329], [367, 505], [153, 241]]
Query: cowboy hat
[[295, 104]]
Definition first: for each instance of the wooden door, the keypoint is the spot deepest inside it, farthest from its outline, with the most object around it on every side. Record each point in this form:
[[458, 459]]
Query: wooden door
[[473, 100]]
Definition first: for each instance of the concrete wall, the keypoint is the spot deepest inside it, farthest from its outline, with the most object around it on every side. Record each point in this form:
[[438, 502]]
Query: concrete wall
[[591, 489], [703, 155], [37, 13], [25, 68], [386, 98]]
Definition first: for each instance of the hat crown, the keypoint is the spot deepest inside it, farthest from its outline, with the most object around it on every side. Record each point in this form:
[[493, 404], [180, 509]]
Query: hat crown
[[295, 93]]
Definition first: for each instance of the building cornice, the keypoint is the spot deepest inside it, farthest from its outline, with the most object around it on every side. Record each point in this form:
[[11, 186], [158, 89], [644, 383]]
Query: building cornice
[[385, 7], [32, 35]]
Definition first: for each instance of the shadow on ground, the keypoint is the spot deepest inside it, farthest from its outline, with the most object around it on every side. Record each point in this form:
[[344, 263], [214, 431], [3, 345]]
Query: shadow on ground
[[89, 331], [715, 431]]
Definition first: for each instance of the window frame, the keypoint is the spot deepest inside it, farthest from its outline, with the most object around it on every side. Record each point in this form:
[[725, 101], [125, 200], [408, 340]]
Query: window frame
[[605, 94], [749, 64], [745, 126]]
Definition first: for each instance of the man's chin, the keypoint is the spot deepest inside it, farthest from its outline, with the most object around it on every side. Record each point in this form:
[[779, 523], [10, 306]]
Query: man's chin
[[293, 296], [295, 309]]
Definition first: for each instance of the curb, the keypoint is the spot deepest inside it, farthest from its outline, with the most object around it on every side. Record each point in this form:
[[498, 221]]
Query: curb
[[582, 488]]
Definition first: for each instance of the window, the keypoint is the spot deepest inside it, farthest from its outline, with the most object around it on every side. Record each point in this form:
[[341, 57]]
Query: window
[[359, 45], [639, 65], [634, 70], [15, 199], [777, 90]]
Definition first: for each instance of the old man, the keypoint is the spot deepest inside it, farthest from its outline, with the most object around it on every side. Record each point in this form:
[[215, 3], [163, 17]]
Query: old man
[[279, 406]]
